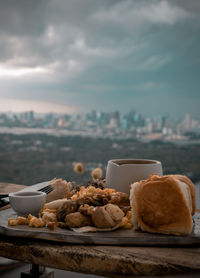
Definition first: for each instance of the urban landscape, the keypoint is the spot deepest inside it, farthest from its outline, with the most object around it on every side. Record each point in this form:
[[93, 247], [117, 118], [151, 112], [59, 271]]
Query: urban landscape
[[49, 145], [101, 124]]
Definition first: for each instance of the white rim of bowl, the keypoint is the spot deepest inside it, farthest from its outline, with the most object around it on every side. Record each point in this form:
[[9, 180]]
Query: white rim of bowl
[[17, 194]]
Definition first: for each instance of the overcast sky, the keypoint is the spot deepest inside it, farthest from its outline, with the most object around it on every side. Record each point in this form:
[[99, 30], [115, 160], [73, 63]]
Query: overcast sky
[[77, 55]]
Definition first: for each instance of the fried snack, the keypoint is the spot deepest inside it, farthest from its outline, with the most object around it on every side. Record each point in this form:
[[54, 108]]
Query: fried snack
[[36, 222], [126, 222], [96, 173], [79, 168], [12, 221], [30, 216], [33, 221], [62, 225], [54, 205], [22, 220], [77, 219], [46, 210], [86, 209], [120, 198], [51, 225], [90, 191], [98, 183], [129, 215], [61, 188], [68, 207], [49, 217]]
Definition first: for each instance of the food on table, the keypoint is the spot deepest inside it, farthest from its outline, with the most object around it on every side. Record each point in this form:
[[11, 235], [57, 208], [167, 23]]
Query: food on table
[[120, 198], [52, 225], [127, 222], [12, 221], [115, 212], [96, 204], [49, 217], [79, 168], [96, 173], [184, 179], [54, 205], [163, 204], [34, 221], [99, 183], [87, 205], [77, 219], [68, 207], [86, 209], [107, 216], [60, 189], [19, 221]]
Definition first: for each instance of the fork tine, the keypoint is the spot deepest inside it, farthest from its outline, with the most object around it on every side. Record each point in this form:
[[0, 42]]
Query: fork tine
[[47, 189]]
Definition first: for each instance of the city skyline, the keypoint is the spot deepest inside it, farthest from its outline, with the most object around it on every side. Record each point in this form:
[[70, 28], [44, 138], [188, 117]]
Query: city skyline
[[91, 111], [98, 123], [71, 56]]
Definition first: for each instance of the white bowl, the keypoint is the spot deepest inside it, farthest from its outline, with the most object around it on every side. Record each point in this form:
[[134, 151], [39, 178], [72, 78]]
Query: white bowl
[[26, 202], [120, 173]]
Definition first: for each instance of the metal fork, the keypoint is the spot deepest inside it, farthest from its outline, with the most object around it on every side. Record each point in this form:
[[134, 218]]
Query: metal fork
[[47, 189]]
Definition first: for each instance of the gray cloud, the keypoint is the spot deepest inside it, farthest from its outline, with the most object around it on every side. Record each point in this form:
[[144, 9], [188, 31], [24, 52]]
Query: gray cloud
[[91, 53], [22, 18]]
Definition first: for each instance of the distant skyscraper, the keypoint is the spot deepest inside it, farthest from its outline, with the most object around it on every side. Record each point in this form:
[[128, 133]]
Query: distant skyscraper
[[187, 121]]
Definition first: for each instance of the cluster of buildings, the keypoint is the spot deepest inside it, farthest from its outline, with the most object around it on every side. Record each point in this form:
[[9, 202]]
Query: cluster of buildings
[[114, 124]]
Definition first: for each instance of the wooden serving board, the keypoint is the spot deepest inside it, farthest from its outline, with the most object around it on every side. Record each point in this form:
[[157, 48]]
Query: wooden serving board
[[118, 237]]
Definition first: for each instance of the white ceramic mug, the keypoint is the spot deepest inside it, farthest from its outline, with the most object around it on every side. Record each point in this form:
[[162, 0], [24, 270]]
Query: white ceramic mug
[[120, 173]]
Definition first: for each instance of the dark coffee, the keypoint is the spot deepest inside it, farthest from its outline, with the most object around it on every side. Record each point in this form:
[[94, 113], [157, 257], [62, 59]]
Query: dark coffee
[[133, 161]]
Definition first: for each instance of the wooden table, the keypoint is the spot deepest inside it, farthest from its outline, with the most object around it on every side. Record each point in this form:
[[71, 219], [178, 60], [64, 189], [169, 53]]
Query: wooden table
[[109, 261]]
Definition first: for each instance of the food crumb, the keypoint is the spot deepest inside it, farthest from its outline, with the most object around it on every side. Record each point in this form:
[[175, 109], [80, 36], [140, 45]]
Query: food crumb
[[12, 221]]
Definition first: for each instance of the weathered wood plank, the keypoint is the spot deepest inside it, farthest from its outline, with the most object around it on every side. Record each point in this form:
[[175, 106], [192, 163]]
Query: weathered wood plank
[[110, 261]]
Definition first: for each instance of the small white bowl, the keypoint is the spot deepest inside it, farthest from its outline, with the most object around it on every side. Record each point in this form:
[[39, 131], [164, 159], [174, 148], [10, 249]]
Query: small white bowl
[[26, 202]]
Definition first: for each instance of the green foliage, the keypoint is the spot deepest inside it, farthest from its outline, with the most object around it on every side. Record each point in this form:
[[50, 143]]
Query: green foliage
[[29, 159]]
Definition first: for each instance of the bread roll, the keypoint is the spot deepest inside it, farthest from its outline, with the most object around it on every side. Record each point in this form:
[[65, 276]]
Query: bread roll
[[107, 216], [163, 204], [115, 212]]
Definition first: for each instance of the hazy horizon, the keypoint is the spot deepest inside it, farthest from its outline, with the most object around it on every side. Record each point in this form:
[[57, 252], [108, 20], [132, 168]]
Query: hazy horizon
[[74, 56]]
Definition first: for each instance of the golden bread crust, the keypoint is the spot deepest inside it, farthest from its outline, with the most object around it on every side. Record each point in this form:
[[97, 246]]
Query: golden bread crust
[[160, 206], [191, 188]]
